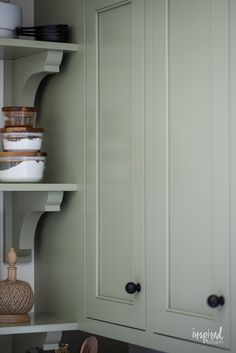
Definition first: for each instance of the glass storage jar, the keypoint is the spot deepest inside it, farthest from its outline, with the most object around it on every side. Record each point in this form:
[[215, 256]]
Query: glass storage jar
[[22, 167], [22, 138], [19, 116]]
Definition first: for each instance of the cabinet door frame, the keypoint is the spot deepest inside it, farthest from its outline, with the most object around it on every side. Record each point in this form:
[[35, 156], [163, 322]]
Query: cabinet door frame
[[128, 310], [166, 319]]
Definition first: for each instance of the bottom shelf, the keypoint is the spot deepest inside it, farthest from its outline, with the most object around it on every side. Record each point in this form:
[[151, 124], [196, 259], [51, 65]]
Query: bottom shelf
[[38, 323]]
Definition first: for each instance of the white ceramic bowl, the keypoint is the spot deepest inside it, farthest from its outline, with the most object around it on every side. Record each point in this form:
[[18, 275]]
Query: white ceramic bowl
[[10, 17], [7, 33]]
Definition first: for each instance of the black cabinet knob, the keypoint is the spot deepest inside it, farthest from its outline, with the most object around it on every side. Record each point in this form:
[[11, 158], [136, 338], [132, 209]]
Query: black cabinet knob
[[132, 287], [213, 301]]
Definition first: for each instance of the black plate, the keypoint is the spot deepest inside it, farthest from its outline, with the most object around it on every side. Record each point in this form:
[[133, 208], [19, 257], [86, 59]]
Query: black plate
[[40, 31], [52, 33], [43, 28], [52, 27], [51, 37]]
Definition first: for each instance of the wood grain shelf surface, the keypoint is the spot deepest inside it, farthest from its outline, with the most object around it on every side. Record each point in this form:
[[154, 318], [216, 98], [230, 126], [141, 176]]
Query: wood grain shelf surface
[[38, 323]]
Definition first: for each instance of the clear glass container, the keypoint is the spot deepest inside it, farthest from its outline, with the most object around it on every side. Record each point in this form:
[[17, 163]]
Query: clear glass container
[[19, 116], [22, 167], [22, 139]]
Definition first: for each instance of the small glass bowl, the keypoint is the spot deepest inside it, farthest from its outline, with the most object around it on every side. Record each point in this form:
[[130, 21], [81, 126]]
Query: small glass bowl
[[22, 139], [22, 167], [19, 116]]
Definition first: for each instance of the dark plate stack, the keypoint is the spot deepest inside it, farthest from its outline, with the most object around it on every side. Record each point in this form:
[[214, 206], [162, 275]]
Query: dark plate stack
[[51, 33]]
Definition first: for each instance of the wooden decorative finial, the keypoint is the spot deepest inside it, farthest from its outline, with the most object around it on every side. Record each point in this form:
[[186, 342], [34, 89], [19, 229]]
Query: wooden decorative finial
[[11, 259]]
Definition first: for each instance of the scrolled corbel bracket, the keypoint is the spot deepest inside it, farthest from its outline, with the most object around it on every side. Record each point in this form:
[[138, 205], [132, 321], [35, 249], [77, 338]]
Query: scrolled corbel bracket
[[52, 340], [22, 76], [45, 202], [20, 233]]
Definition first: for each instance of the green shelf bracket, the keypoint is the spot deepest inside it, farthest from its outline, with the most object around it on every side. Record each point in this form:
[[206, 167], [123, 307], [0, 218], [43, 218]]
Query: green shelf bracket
[[22, 76], [22, 216], [22, 211], [52, 340], [24, 206]]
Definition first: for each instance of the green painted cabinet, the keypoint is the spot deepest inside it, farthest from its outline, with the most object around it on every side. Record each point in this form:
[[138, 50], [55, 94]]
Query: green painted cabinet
[[160, 167], [188, 167], [115, 161]]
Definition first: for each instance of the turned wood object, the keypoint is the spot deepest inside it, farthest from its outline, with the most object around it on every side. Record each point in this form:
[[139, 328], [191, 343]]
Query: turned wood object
[[16, 297], [90, 345]]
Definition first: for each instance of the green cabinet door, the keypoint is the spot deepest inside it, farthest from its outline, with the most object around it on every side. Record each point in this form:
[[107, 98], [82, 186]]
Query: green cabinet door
[[188, 167], [115, 160]]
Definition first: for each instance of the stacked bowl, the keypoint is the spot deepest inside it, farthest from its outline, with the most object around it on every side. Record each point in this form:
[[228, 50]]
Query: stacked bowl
[[51, 33], [21, 159]]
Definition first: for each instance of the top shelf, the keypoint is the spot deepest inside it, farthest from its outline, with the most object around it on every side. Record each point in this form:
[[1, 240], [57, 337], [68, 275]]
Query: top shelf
[[38, 187], [11, 48]]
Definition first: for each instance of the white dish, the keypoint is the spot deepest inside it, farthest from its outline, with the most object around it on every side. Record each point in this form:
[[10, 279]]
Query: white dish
[[10, 16], [7, 33]]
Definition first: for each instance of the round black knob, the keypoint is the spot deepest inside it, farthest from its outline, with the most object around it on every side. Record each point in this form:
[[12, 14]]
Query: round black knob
[[213, 301], [132, 287]]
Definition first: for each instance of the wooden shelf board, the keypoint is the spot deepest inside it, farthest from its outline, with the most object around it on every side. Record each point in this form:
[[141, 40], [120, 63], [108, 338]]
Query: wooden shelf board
[[37, 187], [11, 48], [39, 323]]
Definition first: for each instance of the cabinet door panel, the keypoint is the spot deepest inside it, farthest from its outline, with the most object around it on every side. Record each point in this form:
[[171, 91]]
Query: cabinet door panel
[[189, 165], [115, 160]]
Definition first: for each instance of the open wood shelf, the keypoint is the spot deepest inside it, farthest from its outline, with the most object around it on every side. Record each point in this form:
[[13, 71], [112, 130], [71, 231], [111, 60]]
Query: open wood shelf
[[37, 187], [39, 323], [11, 48]]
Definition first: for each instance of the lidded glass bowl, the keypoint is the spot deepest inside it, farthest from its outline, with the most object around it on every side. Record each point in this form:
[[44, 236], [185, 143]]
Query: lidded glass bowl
[[19, 116], [22, 167], [22, 138]]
